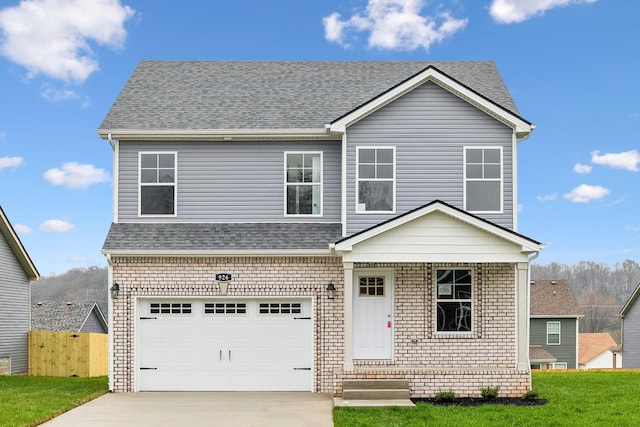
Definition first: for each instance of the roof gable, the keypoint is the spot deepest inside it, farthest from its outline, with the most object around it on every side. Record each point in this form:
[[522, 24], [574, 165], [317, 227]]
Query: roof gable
[[64, 316], [632, 299], [7, 230], [592, 345], [438, 232], [553, 298], [434, 75]]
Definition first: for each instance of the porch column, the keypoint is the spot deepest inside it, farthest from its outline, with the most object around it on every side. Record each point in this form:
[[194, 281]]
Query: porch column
[[348, 316], [522, 316]]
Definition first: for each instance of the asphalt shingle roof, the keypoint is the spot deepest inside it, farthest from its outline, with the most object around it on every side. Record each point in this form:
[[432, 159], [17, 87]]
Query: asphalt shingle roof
[[60, 315], [207, 95], [553, 298], [216, 236], [592, 345]]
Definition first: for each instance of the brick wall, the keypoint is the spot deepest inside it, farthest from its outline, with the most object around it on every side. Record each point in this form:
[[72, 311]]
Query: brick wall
[[431, 361]]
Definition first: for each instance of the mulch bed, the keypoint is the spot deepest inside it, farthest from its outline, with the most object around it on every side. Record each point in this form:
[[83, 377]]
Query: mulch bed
[[479, 401]]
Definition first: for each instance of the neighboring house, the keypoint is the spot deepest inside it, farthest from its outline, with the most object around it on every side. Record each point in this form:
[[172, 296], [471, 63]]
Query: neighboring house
[[16, 272], [630, 315], [82, 316], [554, 318], [599, 351], [291, 225]]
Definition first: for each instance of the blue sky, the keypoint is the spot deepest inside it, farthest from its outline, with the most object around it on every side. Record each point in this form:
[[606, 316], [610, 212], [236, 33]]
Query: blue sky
[[573, 67]]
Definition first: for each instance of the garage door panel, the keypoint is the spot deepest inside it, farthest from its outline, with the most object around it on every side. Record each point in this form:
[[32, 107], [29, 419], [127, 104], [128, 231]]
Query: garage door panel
[[225, 345]]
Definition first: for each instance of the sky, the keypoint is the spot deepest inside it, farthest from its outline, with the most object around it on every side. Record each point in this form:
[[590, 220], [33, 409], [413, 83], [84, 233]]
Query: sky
[[572, 66]]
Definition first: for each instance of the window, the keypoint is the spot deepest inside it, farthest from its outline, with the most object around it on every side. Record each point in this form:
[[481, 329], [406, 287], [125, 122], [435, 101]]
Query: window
[[376, 180], [553, 333], [371, 287], [225, 308], [483, 179], [169, 308], [559, 365], [157, 183], [280, 308], [454, 301], [303, 183]]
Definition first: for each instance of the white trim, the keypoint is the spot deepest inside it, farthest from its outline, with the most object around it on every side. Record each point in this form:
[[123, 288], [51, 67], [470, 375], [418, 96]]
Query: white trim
[[465, 179], [514, 181], [175, 184], [526, 244], [219, 252], [344, 186], [116, 181], [312, 184], [357, 174], [219, 134], [431, 74]]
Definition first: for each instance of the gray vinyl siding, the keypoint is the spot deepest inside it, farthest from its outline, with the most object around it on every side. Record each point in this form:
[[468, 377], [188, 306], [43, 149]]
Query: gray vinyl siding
[[566, 351], [631, 337], [93, 324], [229, 181], [429, 128], [14, 309]]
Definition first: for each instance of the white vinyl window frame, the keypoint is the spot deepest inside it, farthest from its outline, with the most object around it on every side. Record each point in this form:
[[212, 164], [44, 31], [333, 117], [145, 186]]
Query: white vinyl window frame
[[318, 184], [359, 207], [460, 321], [483, 165], [552, 332], [174, 184]]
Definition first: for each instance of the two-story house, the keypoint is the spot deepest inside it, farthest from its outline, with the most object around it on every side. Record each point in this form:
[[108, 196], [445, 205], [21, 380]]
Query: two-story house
[[291, 225], [554, 325]]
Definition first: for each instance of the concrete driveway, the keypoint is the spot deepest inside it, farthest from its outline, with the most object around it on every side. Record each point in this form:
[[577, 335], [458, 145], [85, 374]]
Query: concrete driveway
[[238, 409]]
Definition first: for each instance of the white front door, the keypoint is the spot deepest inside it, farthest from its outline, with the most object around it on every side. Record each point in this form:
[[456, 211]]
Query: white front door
[[372, 314]]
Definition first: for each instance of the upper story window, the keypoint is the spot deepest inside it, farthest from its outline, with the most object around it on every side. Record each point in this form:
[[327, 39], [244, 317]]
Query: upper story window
[[483, 179], [157, 183], [454, 300], [376, 179], [553, 333], [303, 183]]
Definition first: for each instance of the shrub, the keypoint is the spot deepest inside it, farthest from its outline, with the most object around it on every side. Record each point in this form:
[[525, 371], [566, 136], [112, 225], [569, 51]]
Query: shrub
[[530, 395], [490, 393], [445, 396]]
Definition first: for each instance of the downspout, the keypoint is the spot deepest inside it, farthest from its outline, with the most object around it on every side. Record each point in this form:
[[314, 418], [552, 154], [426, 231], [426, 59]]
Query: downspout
[[535, 255]]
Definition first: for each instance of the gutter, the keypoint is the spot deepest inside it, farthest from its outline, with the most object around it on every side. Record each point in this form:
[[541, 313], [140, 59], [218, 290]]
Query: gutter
[[218, 134]]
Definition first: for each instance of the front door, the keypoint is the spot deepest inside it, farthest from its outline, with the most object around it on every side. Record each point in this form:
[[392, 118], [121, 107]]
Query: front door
[[372, 314]]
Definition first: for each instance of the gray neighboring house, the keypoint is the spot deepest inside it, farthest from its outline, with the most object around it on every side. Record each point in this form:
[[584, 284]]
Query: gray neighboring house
[[553, 325], [83, 316], [16, 273], [630, 315], [291, 226]]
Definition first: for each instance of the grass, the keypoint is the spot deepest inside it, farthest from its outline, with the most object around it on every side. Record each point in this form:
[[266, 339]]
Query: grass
[[29, 401], [575, 399]]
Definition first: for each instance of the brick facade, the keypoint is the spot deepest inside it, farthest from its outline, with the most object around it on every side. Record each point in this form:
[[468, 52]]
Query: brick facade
[[431, 361]]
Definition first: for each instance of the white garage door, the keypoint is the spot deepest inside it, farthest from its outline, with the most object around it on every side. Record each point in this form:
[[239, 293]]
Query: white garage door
[[224, 345]]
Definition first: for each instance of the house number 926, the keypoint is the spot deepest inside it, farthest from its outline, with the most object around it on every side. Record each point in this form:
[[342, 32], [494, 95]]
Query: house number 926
[[223, 277]]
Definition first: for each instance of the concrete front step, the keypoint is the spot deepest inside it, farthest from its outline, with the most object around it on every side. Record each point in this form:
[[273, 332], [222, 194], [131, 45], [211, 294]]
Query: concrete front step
[[375, 384], [342, 402], [376, 394]]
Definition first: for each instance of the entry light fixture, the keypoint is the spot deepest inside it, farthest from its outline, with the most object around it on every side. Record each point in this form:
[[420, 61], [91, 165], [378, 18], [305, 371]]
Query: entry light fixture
[[331, 291], [115, 291]]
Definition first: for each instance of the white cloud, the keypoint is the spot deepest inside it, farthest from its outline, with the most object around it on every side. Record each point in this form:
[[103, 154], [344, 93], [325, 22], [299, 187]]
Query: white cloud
[[582, 169], [585, 193], [53, 94], [52, 37], [628, 160], [75, 175], [547, 198], [10, 162], [56, 226], [513, 11], [393, 25], [22, 229]]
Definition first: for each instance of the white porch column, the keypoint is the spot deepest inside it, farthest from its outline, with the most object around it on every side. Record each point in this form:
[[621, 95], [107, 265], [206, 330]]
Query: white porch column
[[522, 316], [348, 316]]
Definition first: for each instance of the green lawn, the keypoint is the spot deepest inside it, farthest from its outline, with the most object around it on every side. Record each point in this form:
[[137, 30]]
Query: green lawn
[[575, 399], [29, 401]]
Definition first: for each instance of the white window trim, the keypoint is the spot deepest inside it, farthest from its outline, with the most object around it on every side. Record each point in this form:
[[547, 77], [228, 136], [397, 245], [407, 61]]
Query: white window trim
[[320, 184], [559, 365], [175, 185], [370, 147], [559, 333], [436, 300], [464, 171]]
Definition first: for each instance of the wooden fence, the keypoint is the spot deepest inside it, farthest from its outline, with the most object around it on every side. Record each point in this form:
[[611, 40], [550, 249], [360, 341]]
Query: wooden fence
[[68, 354]]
